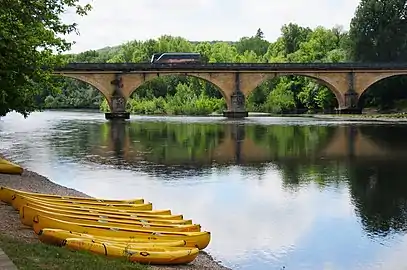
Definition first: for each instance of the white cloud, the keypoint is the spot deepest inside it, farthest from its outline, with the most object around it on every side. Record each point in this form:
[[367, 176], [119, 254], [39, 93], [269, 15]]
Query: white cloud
[[114, 22]]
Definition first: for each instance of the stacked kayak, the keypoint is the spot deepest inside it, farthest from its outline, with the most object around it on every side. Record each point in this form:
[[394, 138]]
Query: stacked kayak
[[114, 228], [7, 167]]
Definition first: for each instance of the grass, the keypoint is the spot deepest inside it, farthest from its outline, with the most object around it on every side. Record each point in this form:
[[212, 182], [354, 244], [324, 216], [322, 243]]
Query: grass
[[30, 256]]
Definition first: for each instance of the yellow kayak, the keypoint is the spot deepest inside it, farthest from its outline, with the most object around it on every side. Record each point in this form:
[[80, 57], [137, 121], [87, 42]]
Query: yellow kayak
[[7, 193], [111, 210], [84, 203], [7, 167], [193, 239], [56, 237], [142, 216], [27, 214], [19, 200], [145, 255]]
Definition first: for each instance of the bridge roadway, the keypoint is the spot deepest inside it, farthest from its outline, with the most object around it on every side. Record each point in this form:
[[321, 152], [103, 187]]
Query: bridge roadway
[[117, 81], [232, 67]]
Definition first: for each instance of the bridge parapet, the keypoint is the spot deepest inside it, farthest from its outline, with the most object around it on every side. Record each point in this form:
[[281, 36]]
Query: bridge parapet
[[264, 67]]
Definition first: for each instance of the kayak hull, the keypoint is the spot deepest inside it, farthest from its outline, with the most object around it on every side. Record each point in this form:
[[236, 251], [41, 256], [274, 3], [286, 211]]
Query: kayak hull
[[193, 239], [144, 255], [7, 193], [7, 167], [56, 237], [28, 213], [18, 200], [154, 215]]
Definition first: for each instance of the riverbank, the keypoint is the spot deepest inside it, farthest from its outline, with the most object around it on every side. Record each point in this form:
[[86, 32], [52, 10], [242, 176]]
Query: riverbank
[[397, 117], [11, 226]]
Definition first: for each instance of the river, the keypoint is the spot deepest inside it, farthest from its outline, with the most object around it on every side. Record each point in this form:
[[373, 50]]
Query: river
[[275, 192]]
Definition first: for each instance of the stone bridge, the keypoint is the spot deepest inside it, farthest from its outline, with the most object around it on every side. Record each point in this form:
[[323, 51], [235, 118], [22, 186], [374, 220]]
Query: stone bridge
[[236, 81], [236, 147]]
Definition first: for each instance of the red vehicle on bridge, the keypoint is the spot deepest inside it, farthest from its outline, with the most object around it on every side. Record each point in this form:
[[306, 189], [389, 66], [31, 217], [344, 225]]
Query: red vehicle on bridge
[[176, 58]]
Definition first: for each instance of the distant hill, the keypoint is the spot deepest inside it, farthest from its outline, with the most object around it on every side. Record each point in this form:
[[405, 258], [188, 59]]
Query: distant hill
[[112, 49]]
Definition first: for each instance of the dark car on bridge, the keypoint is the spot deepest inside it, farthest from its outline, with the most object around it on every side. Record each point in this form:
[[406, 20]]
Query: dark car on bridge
[[176, 58]]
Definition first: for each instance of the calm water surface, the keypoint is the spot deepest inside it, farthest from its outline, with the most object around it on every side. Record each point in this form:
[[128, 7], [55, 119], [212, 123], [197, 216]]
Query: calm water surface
[[275, 192]]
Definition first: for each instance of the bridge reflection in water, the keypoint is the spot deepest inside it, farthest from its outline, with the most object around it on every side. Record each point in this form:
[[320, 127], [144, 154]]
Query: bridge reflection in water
[[369, 159], [205, 144]]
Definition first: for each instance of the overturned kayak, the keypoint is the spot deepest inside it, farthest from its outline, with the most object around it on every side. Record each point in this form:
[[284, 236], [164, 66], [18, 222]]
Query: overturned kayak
[[7, 167], [193, 239], [57, 236], [145, 255], [28, 213], [18, 200], [6, 195]]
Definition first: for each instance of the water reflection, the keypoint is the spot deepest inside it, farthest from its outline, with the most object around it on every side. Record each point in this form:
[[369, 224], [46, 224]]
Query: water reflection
[[379, 191], [325, 155], [202, 144], [196, 145], [302, 196]]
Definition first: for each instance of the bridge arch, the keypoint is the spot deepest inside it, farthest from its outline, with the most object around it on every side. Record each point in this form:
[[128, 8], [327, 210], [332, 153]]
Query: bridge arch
[[150, 78], [371, 80], [372, 85], [325, 81], [97, 82]]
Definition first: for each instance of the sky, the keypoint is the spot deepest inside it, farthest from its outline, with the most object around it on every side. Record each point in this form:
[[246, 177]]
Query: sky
[[112, 23]]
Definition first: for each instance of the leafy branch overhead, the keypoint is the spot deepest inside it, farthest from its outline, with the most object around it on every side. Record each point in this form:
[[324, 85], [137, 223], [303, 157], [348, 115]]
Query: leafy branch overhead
[[30, 37]]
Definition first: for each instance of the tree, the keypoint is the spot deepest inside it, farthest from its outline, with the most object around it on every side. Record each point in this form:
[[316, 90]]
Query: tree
[[378, 32], [292, 36], [259, 34], [256, 44], [29, 39]]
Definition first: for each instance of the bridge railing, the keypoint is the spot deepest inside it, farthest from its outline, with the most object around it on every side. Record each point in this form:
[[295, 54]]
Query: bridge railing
[[128, 67]]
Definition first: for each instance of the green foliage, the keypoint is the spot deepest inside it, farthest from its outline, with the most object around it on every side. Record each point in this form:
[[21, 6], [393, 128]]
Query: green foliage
[[30, 34], [84, 97], [281, 99], [378, 33], [185, 101]]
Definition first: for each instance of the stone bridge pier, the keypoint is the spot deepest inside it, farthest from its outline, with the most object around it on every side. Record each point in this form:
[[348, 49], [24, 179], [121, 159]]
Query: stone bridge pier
[[117, 102]]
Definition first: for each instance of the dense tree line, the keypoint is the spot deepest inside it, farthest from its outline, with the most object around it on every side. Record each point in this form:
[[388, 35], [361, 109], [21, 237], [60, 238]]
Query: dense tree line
[[377, 34]]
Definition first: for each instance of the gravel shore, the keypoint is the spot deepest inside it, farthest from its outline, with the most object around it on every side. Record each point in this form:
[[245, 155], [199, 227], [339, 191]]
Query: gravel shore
[[31, 181]]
